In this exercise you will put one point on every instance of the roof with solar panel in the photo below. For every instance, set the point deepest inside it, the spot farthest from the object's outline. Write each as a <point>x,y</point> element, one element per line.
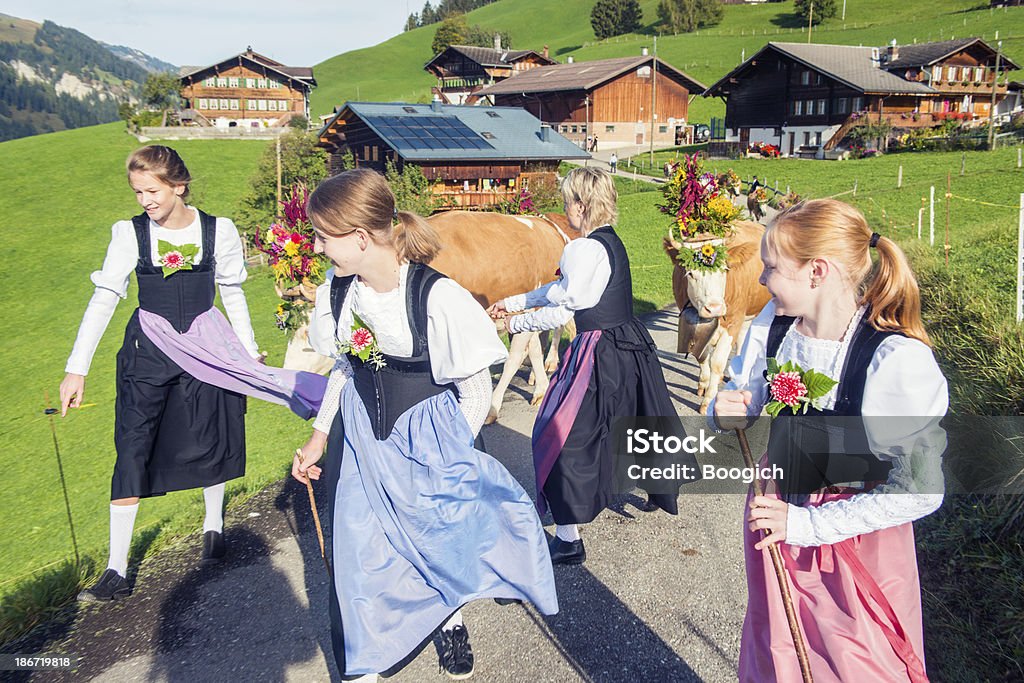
<point>420,132</point>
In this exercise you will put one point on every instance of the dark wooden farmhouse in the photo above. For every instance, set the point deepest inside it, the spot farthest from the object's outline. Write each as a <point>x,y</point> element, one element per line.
<point>477,156</point>
<point>806,97</point>
<point>609,98</point>
<point>463,70</point>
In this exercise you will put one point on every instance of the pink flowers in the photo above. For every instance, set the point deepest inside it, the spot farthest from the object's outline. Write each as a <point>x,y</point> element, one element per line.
<point>361,338</point>
<point>788,388</point>
<point>173,259</point>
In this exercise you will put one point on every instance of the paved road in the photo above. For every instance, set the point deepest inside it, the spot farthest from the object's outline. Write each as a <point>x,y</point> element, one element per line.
<point>660,598</point>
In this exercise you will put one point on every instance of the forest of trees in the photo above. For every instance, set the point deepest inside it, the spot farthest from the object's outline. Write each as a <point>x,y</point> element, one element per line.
<point>30,107</point>
<point>444,9</point>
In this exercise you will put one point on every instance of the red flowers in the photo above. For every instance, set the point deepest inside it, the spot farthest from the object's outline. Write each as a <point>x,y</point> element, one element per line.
<point>173,260</point>
<point>787,387</point>
<point>361,338</point>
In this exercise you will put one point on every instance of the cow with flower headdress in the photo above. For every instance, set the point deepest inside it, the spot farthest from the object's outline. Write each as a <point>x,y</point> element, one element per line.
<point>717,266</point>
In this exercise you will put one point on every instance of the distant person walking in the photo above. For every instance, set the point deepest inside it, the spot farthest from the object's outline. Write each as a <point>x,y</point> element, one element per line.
<point>593,144</point>
<point>613,163</point>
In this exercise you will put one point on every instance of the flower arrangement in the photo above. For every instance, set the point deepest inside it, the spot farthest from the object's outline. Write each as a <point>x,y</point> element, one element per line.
<point>760,195</point>
<point>709,256</point>
<point>297,269</point>
<point>764,149</point>
<point>362,344</point>
<point>174,258</point>
<point>787,200</point>
<point>730,182</point>
<point>521,204</point>
<point>790,386</point>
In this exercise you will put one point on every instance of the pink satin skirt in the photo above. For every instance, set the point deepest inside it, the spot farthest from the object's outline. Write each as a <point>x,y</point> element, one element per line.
<point>858,603</point>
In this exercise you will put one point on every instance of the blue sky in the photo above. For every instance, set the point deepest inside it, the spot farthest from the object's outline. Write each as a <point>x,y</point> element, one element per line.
<point>190,32</point>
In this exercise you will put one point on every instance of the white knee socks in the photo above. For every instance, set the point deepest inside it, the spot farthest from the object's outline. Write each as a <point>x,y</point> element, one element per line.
<point>567,532</point>
<point>122,522</point>
<point>214,497</point>
<point>456,620</point>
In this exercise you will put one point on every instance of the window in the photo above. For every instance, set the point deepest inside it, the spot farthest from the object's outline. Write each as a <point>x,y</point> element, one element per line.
<point>662,129</point>
<point>563,128</point>
<point>233,82</point>
<point>250,83</point>
<point>821,107</point>
<point>494,114</point>
<point>222,82</point>
<point>817,138</point>
<point>842,105</point>
<point>936,73</point>
<point>643,72</point>
<point>409,110</point>
<point>282,105</point>
<point>251,104</point>
<point>609,129</point>
<point>858,103</point>
<point>213,105</point>
<point>952,73</point>
<point>575,129</point>
<point>272,105</point>
<point>798,107</point>
<point>210,82</point>
<point>204,103</point>
<point>375,151</point>
<point>805,77</point>
<point>366,152</point>
<point>979,74</point>
<point>234,105</point>
<point>817,79</point>
<point>262,105</point>
<point>274,84</point>
<point>807,138</point>
<point>487,134</point>
<point>261,83</point>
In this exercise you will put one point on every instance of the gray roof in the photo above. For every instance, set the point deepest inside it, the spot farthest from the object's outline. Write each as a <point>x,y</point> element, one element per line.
<point>851,65</point>
<point>926,54</point>
<point>579,76</point>
<point>299,73</point>
<point>488,56</point>
<point>512,133</point>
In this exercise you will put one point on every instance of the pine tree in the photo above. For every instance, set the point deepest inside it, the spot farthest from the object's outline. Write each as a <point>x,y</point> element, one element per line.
<point>823,9</point>
<point>683,16</point>
<point>615,17</point>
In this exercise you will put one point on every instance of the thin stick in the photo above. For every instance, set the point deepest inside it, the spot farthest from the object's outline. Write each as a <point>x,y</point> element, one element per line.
<point>316,516</point>
<point>50,412</point>
<point>780,573</point>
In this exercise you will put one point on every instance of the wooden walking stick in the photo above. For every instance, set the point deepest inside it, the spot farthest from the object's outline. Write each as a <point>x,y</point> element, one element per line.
<point>316,516</point>
<point>780,572</point>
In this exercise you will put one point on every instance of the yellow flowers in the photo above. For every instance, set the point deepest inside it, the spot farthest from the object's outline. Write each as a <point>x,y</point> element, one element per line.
<point>720,207</point>
<point>707,250</point>
<point>291,248</point>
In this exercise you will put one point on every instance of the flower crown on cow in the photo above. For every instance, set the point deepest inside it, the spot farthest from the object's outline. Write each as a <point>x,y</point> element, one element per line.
<point>703,215</point>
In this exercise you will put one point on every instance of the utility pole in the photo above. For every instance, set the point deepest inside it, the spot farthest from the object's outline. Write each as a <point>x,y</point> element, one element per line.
<point>654,91</point>
<point>844,10</point>
<point>810,21</point>
<point>992,103</point>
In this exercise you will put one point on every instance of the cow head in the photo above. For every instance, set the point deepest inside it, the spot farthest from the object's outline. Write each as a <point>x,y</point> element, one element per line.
<point>706,292</point>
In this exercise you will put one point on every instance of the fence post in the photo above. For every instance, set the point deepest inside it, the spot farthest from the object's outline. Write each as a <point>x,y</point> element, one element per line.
<point>899,178</point>
<point>949,195</point>
<point>963,162</point>
<point>1020,261</point>
<point>1018,157</point>
<point>931,217</point>
<point>920,217</point>
<point>855,187</point>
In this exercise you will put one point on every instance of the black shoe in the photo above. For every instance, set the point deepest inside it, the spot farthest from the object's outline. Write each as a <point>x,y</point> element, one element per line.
<point>508,601</point>
<point>455,654</point>
<point>213,548</point>
<point>565,552</point>
<point>111,586</point>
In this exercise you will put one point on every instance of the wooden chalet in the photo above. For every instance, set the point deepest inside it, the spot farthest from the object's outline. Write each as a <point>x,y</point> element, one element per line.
<point>476,156</point>
<point>806,97</point>
<point>463,70</point>
<point>608,98</point>
<point>246,90</point>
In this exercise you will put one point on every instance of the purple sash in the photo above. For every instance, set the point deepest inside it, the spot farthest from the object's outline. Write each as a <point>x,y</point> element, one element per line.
<point>560,406</point>
<point>212,353</point>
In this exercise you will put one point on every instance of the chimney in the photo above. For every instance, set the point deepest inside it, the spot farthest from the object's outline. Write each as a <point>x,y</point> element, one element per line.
<point>435,105</point>
<point>892,52</point>
<point>643,51</point>
<point>545,132</point>
<point>569,59</point>
<point>545,52</point>
<point>497,42</point>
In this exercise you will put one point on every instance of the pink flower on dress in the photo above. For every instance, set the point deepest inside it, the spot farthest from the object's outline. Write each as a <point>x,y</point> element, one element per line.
<point>173,259</point>
<point>788,387</point>
<point>361,338</point>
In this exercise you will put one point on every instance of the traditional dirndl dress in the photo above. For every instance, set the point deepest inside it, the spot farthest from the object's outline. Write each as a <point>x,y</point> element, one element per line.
<point>421,522</point>
<point>610,370</point>
<point>858,601</point>
<point>182,377</point>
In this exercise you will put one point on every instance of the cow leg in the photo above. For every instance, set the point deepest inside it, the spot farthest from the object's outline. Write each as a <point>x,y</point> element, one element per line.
<point>535,352</point>
<point>551,359</point>
<point>703,382</point>
<point>516,356</point>
<point>718,359</point>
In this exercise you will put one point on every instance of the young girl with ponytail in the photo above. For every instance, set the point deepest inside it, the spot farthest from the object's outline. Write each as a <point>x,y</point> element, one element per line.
<point>848,547</point>
<point>422,522</point>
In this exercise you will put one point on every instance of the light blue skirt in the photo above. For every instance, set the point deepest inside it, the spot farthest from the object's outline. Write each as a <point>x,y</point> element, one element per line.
<point>424,523</point>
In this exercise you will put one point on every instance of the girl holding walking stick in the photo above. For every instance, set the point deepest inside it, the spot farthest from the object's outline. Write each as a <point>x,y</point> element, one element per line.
<point>847,548</point>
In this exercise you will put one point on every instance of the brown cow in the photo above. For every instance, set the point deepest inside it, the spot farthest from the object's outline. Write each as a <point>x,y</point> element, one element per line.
<point>494,256</point>
<point>736,299</point>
